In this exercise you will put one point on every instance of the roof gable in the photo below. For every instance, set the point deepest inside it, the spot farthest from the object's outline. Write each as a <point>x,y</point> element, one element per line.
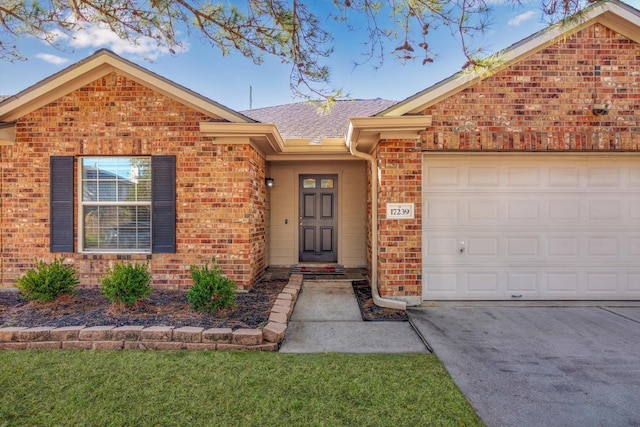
<point>613,14</point>
<point>98,65</point>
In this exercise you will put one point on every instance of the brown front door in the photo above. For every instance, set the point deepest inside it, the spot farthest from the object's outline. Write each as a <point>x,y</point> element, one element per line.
<point>318,218</point>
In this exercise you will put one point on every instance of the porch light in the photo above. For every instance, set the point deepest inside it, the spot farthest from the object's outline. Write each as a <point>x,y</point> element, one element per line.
<point>270,182</point>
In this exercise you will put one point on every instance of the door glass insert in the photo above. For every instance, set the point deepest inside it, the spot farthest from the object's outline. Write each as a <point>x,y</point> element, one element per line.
<point>326,183</point>
<point>309,183</point>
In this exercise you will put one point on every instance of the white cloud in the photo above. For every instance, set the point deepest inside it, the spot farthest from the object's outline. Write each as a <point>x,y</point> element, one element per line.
<point>52,59</point>
<point>97,36</point>
<point>519,19</point>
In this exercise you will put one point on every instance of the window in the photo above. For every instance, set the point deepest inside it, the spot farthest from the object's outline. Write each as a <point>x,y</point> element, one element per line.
<point>116,204</point>
<point>126,204</point>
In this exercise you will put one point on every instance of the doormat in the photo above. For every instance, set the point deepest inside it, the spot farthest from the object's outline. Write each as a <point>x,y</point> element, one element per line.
<point>307,269</point>
<point>371,312</point>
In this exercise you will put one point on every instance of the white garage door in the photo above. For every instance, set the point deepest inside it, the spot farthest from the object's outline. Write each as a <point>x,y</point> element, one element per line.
<point>507,227</point>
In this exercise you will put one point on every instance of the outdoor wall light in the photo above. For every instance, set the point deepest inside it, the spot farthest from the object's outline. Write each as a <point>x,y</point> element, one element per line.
<point>270,182</point>
<point>601,109</point>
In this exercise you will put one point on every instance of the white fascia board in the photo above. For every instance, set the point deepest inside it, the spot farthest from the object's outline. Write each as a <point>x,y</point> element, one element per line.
<point>265,135</point>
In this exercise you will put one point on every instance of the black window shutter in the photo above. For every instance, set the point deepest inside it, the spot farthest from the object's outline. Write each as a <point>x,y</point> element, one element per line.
<point>61,203</point>
<point>163,199</point>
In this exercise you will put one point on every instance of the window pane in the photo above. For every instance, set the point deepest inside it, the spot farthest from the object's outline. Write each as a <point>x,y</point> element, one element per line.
<point>116,179</point>
<point>126,191</point>
<point>309,183</point>
<point>91,227</point>
<point>326,183</point>
<point>106,191</point>
<point>117,227</point>
<point>90,191</point>
<point>143,190</point>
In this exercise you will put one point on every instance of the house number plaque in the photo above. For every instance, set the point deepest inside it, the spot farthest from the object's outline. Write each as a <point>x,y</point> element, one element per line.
<point>400,210</point>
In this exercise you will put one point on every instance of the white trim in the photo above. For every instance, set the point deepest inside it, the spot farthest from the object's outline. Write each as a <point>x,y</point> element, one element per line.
<point>82,204</point>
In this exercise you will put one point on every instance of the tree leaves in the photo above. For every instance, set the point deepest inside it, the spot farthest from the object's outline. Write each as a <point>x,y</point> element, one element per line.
<point>292,30</point>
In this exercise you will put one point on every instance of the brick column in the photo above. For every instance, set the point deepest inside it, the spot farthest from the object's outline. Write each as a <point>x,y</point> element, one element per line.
<point>400,241</point>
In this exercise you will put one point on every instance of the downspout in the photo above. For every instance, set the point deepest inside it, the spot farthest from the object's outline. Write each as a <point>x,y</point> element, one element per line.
<point>377,299</point>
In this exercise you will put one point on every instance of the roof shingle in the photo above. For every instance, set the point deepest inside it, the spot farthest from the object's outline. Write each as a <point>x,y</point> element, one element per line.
<point>307,120</point>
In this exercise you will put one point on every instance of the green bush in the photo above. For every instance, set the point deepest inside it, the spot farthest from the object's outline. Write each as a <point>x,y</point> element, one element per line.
<point>211,290</point>
<point>126,283</point>
<point>47,281</point>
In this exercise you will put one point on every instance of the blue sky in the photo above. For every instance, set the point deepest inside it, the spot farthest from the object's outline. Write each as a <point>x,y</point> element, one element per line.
<point>228,80</point>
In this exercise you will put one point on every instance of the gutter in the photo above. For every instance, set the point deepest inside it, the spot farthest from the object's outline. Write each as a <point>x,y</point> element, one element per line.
<point>375,171</point>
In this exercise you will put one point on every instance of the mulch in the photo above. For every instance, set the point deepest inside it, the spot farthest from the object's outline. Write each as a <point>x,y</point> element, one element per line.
<point>370,311</point>
<point>88,307</point>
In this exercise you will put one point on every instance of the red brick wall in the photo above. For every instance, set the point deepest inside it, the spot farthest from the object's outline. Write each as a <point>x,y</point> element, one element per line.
<point>399,241</point>
<point>219,196</point>
<point>545,101</point>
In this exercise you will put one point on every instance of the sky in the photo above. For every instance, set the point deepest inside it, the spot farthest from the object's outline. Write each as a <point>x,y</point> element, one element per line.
<point>239,84</point>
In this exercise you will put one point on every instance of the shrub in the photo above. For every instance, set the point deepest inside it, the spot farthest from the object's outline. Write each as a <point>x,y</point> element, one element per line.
<point>126,283</point>
<point>45,282</point>
<point>211,290</point>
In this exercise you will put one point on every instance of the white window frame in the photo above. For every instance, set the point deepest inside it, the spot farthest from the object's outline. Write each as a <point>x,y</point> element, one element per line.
<point>82,204</point>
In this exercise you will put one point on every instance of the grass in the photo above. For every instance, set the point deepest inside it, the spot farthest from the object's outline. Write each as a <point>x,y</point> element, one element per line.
<point>194,388</point>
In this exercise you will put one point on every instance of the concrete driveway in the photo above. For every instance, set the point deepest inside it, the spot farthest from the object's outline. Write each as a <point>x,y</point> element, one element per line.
<point>541,366</point>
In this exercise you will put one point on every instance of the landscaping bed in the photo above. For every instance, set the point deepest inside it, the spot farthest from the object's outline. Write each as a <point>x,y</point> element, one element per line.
<point>163,320</point>
<point>163,307</point>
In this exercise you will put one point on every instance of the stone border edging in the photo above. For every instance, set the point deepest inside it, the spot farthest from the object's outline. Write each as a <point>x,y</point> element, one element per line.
<point>108,337</point>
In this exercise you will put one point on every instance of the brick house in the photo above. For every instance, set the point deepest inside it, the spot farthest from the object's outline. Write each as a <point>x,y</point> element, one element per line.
<point>519,184</point>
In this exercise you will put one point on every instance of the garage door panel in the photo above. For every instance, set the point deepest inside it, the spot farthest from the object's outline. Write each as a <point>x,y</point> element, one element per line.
<point>634,177</point>
<point>446,210</point>
<point>603,177</point>
<point>563,209</point>
<point>531,227</point>
<point>634,209</point>
<point>482,246</point>
<point>522,282</point>
<point>446,176</point>
<point>443,285</point>
<point>483,210</point>
<point>482,282</point>
<point>602,283</point>
<point>441,245</point>
<point>602,247</point>
<point>560,283</point>
<point>523,176</point>
<point>564,176</point>
<point>633,284</point>
<point>482,176</point>
<point>523,246</point>
<point>604,210</point>
<point>518,210</point>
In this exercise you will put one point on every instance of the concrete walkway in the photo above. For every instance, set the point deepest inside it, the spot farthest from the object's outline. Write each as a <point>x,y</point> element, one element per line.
<point>327,318</point>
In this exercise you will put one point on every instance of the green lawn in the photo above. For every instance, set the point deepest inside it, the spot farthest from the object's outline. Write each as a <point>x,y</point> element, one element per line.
<point>193,388</point>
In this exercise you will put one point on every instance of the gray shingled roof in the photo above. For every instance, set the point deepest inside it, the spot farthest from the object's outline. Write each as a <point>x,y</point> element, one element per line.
<point>306,120</point>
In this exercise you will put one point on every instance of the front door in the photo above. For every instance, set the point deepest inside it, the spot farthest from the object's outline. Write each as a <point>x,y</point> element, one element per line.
<point>318,218</point>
